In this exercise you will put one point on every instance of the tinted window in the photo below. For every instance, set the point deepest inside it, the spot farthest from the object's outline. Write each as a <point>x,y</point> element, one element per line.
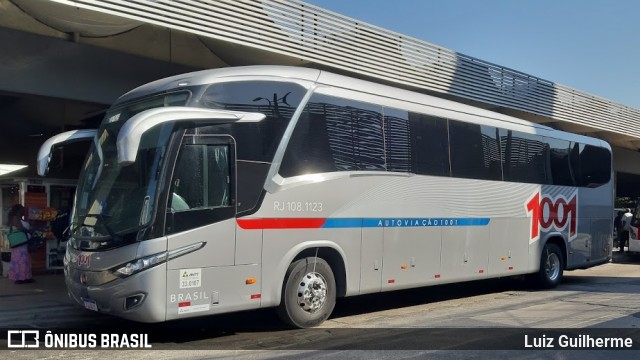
<point>416,143</point>
<point>202,188</point>
<point>526,158</point>
<point>201,178</point>
<point>335,134</point>
<point>277,100</point>
<point>591,165</point>
<point>397,140</point>
<point>124,112</point>
<point>429,139</point>
<point>475,151</point>
<point>559,162</point>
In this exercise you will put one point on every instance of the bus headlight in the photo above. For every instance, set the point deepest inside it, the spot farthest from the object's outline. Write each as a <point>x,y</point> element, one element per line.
<point>135,266</point>
<point>138,265</point>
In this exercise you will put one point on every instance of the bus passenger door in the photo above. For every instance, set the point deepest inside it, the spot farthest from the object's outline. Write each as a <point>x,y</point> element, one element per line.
<point>201,209</point>
<point>201,202</point>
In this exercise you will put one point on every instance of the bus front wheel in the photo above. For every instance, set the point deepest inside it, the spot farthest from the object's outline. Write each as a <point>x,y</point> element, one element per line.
<point>308,294</point>
<point>551,267</point>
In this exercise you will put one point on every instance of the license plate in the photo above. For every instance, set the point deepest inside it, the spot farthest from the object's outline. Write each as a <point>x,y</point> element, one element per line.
<point>90,304</point>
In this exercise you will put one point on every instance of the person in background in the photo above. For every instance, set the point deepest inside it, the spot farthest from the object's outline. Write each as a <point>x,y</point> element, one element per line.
<point>20,266</point>
<point>60,226</point>
<point>617,224</point>
<point>626,227</point>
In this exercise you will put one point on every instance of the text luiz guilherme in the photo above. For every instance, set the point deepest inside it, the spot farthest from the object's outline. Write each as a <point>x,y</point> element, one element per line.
<point>577,342</point>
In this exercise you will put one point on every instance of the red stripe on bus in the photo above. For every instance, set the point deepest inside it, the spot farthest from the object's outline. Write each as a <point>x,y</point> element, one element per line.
<point>281,223</point>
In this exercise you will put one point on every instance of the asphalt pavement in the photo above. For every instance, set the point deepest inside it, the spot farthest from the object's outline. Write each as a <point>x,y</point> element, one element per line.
<point>44,305</point>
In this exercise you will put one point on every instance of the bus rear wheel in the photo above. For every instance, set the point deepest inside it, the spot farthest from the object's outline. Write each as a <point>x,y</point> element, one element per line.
<point>308,294</point>
<point>551,267</point>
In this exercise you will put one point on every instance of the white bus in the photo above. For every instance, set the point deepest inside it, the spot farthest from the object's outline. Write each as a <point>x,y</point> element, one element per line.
<point>267,186</point>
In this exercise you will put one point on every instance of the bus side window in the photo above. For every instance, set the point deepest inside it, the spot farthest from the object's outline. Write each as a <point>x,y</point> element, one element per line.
<point>559,162</point>
<point>201,179</point>
<point>590,165</point>
<point>526,158</point>
<point>335,134</point>
<point>475,151</point>
<point>201,188</point>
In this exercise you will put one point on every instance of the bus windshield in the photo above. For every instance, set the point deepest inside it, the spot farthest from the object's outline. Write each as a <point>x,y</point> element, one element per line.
<point>114,202</point>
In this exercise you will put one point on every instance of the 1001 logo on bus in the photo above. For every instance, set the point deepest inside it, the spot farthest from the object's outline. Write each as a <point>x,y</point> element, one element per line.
<point>555,213</point>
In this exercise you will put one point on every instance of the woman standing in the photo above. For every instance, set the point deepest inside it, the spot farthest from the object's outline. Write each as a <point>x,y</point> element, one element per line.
<point>20,268</point>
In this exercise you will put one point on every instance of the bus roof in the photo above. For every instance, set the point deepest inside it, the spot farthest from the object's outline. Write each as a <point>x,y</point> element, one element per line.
<point>208,76</point>
<point>340,81</point>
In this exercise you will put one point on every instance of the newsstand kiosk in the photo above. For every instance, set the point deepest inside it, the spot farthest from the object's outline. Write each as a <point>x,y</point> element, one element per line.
<point>48,204</point>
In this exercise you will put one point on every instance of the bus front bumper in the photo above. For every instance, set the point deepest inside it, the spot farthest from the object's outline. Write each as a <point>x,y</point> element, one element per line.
<point>139,297</point>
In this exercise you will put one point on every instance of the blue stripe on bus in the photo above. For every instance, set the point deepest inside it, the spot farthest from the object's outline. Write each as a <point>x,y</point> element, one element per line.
<point>402,222</point>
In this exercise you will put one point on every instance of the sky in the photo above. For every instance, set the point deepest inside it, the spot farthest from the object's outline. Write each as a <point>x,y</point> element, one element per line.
<point>589,45</point>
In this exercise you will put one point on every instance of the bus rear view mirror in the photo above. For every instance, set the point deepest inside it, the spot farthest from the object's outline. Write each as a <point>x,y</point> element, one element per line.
<point>46,150</point>
<point>129,136</point>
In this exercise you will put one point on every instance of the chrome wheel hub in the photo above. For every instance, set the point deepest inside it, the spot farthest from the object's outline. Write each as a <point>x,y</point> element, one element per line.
<point>312,292</point>
<point>552,266</point>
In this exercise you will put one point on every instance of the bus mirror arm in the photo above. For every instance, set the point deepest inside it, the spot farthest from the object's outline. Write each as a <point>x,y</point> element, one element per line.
<point>46,149</point>
<point>132,131</point>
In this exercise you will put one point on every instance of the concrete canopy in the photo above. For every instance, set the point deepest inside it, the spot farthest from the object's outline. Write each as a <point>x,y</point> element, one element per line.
<point>91,51</point>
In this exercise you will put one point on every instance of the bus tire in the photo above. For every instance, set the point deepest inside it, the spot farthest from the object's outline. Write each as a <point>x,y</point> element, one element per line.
<point>551,267</point>
<point>308,293</point>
